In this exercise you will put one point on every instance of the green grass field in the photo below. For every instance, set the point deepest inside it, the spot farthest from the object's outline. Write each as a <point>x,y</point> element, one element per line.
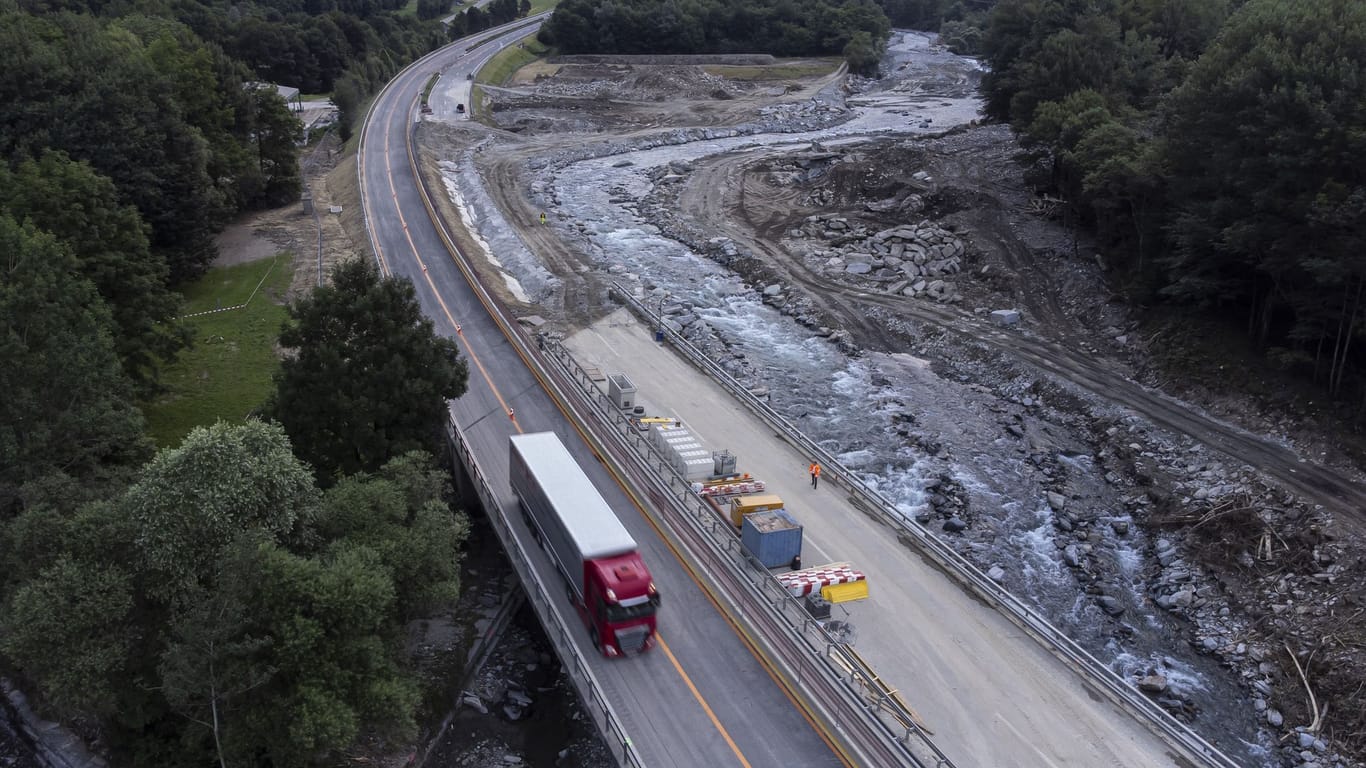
<point>512,58</point>
<point>228,372</point>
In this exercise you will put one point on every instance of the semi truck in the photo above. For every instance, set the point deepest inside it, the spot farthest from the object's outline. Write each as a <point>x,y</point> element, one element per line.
<point>607,580</point>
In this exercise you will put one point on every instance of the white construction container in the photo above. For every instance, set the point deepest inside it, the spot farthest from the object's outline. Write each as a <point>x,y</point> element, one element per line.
<point>671,447</point>
<point>696,469</point>
<point>663,432</point>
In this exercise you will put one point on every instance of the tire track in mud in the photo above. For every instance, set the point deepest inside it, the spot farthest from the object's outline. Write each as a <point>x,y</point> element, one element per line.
<point>743,216</point>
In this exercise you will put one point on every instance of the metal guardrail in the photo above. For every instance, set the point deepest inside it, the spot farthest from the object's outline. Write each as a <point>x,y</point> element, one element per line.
<point>1100,676</point>
<point>870,719</point>
<point>575,665</point>
<point>515,26</point>
<point>596,702</point>
<point>773,600</point>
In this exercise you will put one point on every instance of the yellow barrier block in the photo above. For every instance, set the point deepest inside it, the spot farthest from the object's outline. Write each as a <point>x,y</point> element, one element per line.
<point>843,593</point>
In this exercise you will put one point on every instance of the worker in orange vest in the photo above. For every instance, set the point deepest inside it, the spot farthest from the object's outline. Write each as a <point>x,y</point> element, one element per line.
<point>815,471</point>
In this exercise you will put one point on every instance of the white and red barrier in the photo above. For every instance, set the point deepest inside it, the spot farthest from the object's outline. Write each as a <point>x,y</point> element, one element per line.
<point>808,580</point>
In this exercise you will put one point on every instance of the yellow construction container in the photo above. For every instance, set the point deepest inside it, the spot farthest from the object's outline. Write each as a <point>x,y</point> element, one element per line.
<point>843,593</point>
<point>744,505</point>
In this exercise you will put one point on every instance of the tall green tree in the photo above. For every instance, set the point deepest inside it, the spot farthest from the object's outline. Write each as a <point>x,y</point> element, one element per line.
<point>276,132</point>
<point>68,426</point>
<point>331,624</point>
<point>369,378</point>
<point>1044,50</point>
<point>69,83</point>
<point>215,657</point>
<point>81,208</point>
<point>69,630</point>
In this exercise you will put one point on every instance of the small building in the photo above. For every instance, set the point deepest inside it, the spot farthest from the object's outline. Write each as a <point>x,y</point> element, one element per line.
<point>289,93</point>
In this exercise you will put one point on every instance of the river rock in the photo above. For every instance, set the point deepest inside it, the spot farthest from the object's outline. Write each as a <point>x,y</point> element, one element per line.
<point>996,574</point>
<point>1057,501</point>
<point>954,525</point>
<point>518,698</point>
<point>1153,684</point>
<point>1072,556</point>
<point>1110,605</point>
<point>1005,317</point>
<point>1274,718</point>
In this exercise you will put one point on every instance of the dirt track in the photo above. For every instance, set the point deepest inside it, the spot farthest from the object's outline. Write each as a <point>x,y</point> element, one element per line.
<point>720,197</point>
<point>1074,335</point>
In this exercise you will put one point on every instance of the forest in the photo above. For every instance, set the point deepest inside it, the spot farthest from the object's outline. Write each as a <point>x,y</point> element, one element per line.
<point>239,598</point>
<point>855,29</point>
<point>1217,150</point>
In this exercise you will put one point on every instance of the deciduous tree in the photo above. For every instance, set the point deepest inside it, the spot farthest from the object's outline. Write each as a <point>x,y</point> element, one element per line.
<point>69,631</point>
<point>192,501</point>
<point>1267,128</point>
<point>402,515</point>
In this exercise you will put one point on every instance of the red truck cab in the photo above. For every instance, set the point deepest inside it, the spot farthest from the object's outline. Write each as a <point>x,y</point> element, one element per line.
<point>620,601</point>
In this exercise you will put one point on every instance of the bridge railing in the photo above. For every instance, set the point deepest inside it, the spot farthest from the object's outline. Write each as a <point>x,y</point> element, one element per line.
<point>871,720</point>
<point>916,536</point>
<point>574,663</point>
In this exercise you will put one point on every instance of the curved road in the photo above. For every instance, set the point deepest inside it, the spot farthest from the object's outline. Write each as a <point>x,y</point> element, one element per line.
<point>700,699</point>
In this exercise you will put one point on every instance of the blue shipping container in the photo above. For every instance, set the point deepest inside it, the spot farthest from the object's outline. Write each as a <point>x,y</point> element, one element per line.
<point>773,537</point>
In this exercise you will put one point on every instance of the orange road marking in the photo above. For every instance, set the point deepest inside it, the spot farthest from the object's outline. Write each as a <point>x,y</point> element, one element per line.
<point>469,350</point>
<point>663,646</point>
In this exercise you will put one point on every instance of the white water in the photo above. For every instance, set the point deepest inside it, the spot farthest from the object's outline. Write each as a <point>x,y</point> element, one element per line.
<point>848,405</point>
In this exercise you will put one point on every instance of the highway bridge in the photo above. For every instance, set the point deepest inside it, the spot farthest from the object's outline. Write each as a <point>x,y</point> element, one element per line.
<point>741,676</point>
<point>707,695</point>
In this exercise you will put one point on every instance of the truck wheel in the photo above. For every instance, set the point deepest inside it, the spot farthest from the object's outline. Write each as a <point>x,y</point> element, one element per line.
<point>597,641</point>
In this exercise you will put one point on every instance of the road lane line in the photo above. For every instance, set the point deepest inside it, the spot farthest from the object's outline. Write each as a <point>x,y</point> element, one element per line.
<point>460,337</point>
<point>663,646</point>
<point>747,640</point>
<point>997,716</point>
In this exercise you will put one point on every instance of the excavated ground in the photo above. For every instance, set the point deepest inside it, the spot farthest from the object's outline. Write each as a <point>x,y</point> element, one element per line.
<point>1265,578</point>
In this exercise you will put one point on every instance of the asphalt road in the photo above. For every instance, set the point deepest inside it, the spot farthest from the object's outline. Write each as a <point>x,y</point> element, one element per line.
<point>991,694</point>
<point>702,697</point>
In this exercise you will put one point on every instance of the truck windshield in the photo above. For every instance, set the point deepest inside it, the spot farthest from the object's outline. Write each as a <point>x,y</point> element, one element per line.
<point>617,613</point>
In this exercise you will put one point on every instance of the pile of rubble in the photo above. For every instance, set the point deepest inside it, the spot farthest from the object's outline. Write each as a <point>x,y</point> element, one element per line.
<point>909,260</point>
